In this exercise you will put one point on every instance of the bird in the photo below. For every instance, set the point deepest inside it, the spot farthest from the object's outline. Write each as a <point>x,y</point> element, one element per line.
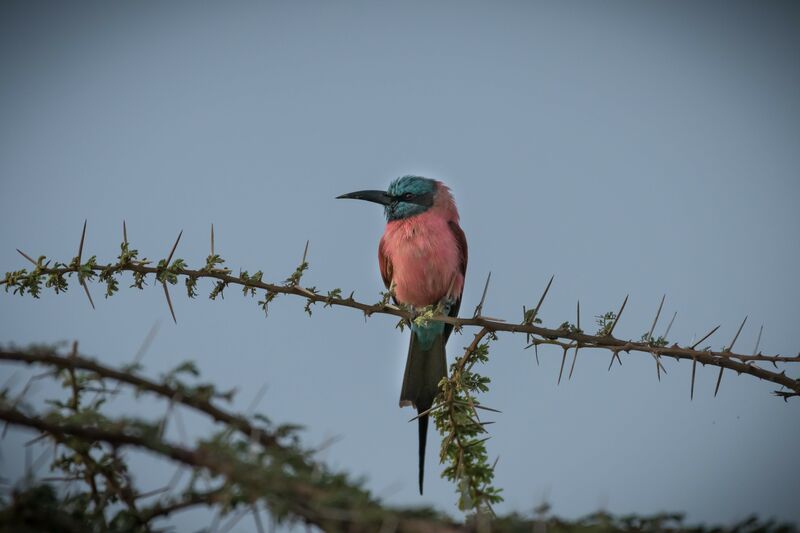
<point>422,257</point>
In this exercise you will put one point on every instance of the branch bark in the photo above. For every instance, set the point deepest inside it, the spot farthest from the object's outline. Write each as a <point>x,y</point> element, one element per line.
<point>563,338</point>
<point>314,504</point>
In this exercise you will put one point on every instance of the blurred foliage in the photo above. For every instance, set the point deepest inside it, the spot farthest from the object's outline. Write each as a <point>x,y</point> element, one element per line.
<point>39,507</point>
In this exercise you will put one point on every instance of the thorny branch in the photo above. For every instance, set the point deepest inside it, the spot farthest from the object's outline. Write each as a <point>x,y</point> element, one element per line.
<point>298,494</point>
<point>199,399</point>
<point>264,463</point>
<point>456,409</point>
<point>565,336</point>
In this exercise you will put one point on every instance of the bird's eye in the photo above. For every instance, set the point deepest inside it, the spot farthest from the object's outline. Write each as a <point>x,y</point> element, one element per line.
<point>408,196</point>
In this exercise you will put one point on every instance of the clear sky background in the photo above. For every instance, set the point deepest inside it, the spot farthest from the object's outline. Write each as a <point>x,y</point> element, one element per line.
<point>642,148</point>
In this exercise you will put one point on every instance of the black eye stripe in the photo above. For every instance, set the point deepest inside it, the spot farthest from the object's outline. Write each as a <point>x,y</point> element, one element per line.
<point>425,199</point>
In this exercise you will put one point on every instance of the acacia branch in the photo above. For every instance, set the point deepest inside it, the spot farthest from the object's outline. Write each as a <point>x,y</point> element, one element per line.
<point>315,505</point>
<point>284,477</point>
<point>75,362</point>
<point>565,337</point>
<point>120,437</point>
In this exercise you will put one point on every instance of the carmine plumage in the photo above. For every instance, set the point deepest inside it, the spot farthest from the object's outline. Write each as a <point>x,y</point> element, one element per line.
<point>423,257</point>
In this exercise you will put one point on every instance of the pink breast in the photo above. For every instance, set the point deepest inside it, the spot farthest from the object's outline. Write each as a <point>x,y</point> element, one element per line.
<point>425,259</point>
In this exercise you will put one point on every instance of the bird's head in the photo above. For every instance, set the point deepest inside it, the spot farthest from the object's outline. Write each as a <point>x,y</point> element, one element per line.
<point>406,197</point>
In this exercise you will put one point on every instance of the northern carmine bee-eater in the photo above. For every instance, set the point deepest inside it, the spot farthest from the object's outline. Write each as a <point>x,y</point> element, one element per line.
<point>423,259</point>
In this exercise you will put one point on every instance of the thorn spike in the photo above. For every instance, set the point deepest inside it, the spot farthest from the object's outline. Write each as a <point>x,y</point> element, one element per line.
<point>479,307</point>
<point>730,346</point>
<point>575,356</point>
<point>257,399</point>
<point>86,289</point>
<point>560,372</point>
<point>305,253</point>
<point>719,380</point>
<point>572,367</point>
<point>541,299</point>
<point>658,367</point>
<point>655,320</point>
<point>694,370</point>
<point>169,302</point>
<point>148,340</point>
<point>707,335</point>
<point>174,246</point>
<point>669,327</point>
<point>621,309</point>
<point>124,232</point>
<point>83,237</point>
<point>26,256</point>
<point>758,340</point>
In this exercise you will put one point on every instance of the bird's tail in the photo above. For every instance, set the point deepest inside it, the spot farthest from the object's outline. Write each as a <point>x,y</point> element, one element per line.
<point>425,367</point>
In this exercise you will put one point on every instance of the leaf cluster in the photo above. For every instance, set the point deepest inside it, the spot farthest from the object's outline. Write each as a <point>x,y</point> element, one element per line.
<point>250,461</point>
<point>463,448</point>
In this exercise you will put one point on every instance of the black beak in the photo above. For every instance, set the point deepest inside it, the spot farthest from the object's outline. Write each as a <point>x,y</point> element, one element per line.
<point>379,197</point>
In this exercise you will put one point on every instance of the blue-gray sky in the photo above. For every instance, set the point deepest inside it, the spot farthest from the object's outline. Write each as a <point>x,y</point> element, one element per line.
<point>641,148</point>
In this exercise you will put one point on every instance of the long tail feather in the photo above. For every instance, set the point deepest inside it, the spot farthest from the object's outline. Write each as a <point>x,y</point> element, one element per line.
<point>423,437</point>
<point>425,367</point>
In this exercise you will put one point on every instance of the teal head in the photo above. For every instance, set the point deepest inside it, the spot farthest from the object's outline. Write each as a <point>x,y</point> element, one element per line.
<point>405,197</point>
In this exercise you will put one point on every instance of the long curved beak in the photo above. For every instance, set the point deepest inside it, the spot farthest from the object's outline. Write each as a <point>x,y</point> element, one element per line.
<point>379,197</point>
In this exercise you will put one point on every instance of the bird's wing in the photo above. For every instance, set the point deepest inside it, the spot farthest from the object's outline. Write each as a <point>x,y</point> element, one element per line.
<point>385,264</point>
<point>458,233</point>
<point>461,240</point>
